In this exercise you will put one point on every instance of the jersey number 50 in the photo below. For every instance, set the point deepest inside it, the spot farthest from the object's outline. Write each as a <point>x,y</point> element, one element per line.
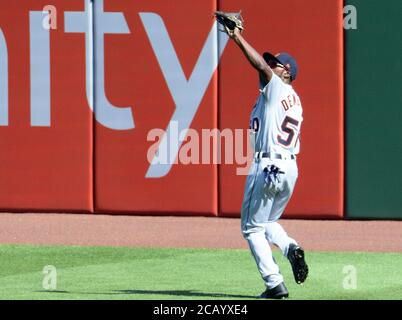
<point>285,128</point>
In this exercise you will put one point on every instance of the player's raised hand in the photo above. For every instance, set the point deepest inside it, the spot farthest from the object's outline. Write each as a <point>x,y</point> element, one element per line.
<point>230,22</point>
<point>234,33</point>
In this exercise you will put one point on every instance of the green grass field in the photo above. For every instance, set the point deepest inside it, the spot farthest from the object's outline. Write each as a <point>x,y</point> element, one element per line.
<point>143,273</point>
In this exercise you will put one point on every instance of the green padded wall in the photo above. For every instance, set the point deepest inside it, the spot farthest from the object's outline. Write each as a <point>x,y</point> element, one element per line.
<point>373,108</point>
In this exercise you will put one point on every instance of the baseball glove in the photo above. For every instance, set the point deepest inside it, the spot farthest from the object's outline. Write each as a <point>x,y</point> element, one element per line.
<point>229,21</point>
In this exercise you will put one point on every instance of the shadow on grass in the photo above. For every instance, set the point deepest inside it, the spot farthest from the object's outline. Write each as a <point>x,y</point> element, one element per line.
<point>183,293</point>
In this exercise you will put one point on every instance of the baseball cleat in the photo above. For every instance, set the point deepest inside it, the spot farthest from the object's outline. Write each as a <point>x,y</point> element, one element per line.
<point>279,292</point>
<point>299,265</point>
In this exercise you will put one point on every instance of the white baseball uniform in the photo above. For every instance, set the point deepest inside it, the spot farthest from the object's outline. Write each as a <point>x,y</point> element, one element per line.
<point>275,122</point>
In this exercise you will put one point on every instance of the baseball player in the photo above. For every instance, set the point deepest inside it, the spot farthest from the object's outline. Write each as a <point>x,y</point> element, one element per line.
<point>275,125</point>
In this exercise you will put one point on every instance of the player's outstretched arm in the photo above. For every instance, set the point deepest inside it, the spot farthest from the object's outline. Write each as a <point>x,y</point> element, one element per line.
<point>255,59</point>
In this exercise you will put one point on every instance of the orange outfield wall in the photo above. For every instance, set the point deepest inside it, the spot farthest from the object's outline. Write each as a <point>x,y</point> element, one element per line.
<point>312,32</point>
<point>45,167</point>
<point>80,163</point>
<point>135,78</point>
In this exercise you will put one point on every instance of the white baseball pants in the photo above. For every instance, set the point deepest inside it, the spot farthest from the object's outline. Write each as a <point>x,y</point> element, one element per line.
<point>262,207</point>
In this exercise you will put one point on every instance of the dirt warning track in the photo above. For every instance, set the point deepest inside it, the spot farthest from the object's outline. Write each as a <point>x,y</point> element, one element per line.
<point>190,232</point>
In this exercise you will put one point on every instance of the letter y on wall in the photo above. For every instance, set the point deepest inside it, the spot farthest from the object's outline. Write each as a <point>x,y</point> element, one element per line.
<point>3,81</point>
<point>187,94</point>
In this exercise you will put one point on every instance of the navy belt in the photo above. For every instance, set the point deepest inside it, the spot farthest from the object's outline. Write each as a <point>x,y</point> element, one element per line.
<point>272,155</point>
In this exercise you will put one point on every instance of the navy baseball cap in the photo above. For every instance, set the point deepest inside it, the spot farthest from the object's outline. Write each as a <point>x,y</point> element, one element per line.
<point>285,59</point>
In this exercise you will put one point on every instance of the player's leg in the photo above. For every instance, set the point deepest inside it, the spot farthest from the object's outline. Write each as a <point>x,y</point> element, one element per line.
<point>247,194</point>
<point>288,182</point>
<point>262,254</point>
<point>273,230</point>
<point>255,212</point>
<point>277,235</point>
